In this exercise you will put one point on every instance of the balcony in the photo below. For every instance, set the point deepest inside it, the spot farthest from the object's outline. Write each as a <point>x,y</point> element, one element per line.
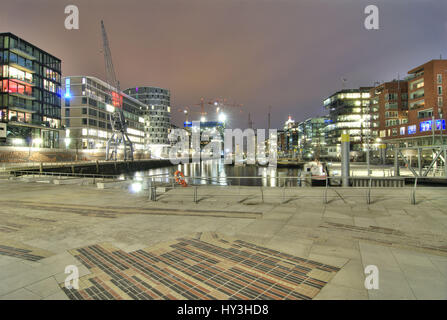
<point>390,106</point>
<point>25,54</point>
<point>23,95</point>
<point>27,68</point>
<point>417,96</point>
<point>24,81</point>
<point>417,105</point>
<point>417,85</point>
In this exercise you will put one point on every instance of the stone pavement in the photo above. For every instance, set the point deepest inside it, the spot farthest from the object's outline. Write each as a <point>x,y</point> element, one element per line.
<point>231,244</point>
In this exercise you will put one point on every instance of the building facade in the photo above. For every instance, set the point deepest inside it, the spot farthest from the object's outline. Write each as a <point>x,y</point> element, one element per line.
<point>312,138</point>
<point>426,110</point>
<point>86,110</point>
<point>349,112</point>
<point>30,95</point>
<point>389,107</point>
<point>306,139</point>
<point>158,113</point>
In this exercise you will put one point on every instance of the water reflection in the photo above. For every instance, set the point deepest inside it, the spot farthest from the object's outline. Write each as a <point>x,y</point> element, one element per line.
<point>217,173</point>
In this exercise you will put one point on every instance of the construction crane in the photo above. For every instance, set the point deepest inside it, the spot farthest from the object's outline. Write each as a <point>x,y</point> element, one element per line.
<point>202,107</point>
<point>220,105</point>
<point>117,119</point>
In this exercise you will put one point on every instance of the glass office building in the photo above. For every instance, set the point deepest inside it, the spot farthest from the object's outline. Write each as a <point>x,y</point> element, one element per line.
<point>87,107</point>
<point>30,94</point>
<point>349,112</point>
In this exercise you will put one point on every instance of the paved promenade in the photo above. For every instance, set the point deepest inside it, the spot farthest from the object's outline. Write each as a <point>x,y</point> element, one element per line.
<point>235,243</point>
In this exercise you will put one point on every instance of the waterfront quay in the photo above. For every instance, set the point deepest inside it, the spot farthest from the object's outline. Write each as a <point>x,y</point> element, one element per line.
<point>233,242</point>
<point>98,167</point>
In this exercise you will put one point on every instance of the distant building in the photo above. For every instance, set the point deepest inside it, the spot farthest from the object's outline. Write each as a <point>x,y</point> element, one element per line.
<point>157,116</point>
<point>86,110</point>
<point>30,95</point>
<point>349,112</point>
<point>312,137</point>
<point>215,128</point>
<point>291,143</point>
<point>306,139</point>
<point>282,143</point>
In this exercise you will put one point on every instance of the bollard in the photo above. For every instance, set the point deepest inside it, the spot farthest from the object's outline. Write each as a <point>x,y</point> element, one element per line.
<point>396,162</point>
<point>413,192</point>
<point>262,195</point>
<point>195,195</point>
<point>284,193</point>
<point>345,149</point>
<point>152,191</point>
<point>382,148</point>
<point>368,193</point>
<point>325,192</point>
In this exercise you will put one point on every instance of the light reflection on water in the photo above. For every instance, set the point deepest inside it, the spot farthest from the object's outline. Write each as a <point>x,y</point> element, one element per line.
<point>215,172</point>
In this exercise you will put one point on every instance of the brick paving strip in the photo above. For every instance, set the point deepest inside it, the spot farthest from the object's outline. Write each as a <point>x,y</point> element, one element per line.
<point>206,266</point>
<point>22,251</point>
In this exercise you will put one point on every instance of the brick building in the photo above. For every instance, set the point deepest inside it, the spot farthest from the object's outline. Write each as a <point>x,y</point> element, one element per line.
<point>421,120</point>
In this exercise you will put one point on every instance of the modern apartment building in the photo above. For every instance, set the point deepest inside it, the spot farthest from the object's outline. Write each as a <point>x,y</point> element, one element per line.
<point>421,120</point>
<point>86,110</point>
<point>349,112</point>
<point>389,107</point>
<point>30,94</point>
<point>157,114</point>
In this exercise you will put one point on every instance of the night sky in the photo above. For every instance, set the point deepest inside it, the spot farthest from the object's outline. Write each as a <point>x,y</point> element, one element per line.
<point>290,54</point>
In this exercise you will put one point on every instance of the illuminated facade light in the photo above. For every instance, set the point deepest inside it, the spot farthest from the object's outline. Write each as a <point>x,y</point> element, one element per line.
<point>222,117</point>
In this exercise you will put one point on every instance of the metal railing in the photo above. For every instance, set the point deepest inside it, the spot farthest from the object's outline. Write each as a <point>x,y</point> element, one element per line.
<point>326,185</point>
<point>18,173</point>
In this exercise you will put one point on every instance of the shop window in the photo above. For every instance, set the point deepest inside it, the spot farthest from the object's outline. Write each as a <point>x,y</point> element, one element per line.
<point>412,129</point>
<point>425,126</point>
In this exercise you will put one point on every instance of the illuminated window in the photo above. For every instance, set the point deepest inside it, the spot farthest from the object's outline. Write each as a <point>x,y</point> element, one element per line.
<point>425,126</point>
<point>440,124</point>
<point>412,129</point>
<point>402,131</point>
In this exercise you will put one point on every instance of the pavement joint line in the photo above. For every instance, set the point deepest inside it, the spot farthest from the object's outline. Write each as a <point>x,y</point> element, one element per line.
<point>403,273</point>
<point>141,210</point>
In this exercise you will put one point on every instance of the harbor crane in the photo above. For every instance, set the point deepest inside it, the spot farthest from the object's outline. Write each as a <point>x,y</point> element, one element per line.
<point>220,105</point>
<point>117,120</point>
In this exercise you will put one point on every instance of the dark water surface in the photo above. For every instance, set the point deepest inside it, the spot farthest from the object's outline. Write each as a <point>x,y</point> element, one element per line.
<point>216,172</point>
